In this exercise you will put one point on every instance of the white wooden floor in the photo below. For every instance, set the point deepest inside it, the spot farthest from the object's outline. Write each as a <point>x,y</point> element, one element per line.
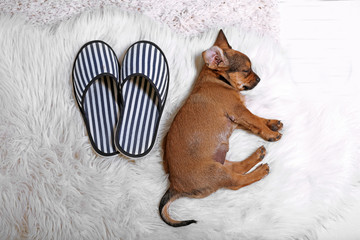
<point>322,40</point>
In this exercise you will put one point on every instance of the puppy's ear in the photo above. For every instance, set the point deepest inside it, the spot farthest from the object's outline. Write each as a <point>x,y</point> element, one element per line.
<point>214,58</point>
<point>221,41</point>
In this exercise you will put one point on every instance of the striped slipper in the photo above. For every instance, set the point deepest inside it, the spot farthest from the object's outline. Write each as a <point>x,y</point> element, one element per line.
<point>95,81</point>
<point>144,87</point>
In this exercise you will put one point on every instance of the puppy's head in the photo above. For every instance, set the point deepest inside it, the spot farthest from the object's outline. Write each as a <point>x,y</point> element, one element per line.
<point>232,65</point>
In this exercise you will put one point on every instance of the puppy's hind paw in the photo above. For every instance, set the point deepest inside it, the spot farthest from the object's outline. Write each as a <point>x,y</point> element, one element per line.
<point>263,170</point>
<point>261,152</point>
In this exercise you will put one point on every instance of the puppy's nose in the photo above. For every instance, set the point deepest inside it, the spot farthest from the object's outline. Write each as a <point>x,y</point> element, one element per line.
<point>257,79</point>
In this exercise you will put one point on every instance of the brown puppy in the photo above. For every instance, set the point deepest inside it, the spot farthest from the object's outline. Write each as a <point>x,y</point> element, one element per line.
<point>198,139</point>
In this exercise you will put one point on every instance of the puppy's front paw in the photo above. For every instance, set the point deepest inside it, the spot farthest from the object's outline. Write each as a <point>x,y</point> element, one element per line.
<point>274,124</point>
<point>275,137</point>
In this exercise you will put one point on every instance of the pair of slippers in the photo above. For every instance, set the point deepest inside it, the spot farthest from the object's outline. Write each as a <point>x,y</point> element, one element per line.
<point>121,105</point>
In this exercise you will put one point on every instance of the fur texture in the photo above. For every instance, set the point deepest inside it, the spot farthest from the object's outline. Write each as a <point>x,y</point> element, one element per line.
<point>186,16</point>
<point>52,185</point>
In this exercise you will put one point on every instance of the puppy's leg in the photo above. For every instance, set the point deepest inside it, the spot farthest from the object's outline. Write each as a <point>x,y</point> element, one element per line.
<point>273,124</point>
<point>245,165</point>
<point>242,180</point>
<point>246,120</point>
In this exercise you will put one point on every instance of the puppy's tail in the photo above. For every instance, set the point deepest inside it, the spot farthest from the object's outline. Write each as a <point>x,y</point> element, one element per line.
<point>165,202</point>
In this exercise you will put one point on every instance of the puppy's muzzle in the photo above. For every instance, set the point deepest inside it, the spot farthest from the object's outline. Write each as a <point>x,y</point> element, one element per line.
<point>253,84</point>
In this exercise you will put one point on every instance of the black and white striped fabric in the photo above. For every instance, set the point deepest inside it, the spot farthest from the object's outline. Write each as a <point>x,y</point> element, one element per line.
<point>144,87</point>
<point>95,80</point>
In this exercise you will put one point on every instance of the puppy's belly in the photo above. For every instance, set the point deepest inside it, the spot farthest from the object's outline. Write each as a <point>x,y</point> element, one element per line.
<point>210,144</point>
<point>220,153</point>
<point>199,133</point>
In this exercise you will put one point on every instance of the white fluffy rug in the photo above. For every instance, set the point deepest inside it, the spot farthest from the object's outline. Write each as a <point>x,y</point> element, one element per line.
<point>183,16</point>
<point>53,186</point>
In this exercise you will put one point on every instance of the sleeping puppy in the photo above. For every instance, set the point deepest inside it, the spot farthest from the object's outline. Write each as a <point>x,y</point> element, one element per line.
<point>198,139</point>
